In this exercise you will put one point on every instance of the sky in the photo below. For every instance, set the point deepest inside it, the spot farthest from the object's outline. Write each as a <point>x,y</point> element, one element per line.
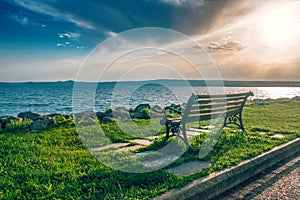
<point>54,40</point>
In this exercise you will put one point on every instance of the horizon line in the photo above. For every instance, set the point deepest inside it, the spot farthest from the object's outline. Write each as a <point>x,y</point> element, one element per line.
<point>115,81</point>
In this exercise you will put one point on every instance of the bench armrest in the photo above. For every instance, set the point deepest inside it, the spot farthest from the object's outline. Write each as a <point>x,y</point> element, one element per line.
<point>163,121</point>
<point>250,94</point>
<point>173,109</point>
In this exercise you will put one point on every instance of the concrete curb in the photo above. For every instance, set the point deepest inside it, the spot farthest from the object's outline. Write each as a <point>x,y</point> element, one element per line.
<point>219,182</point>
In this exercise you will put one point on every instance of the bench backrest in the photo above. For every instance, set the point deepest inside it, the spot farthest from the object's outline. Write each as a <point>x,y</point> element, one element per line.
<point>206,107</point>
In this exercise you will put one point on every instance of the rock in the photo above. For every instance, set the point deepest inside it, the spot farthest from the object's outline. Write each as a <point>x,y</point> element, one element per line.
<point>297,98</point>
<point>260,102</point>
<point>29,115</point>
<point>142,111</point>
<point>68,116</point>
<point>46,117</point>
<point>156,112</point>
<point>176,106</point>
<point>157,109</point>
<point>42,124</point>
<point>121,109</point>
<point>86,116</point>
<point>106,120</point>
<point>4,120</point>
<point>121,113</point>
<point>108,113</point>
<point>100,115</point>
<point>51,116</point>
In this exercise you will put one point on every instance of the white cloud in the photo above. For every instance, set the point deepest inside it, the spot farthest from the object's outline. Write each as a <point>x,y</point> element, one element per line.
<point>184,2</point>
<point>44,9</point>
<point>80,48</point>
<point>111,33</point>
<point>69,35</point>
<point>25,21</point>
<point>60,45</point>
<point>75,35</point>
<point>226,43</point>
<point>62,35</point>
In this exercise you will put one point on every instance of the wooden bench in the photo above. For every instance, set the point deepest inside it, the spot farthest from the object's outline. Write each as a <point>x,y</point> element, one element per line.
<point>206,107</point>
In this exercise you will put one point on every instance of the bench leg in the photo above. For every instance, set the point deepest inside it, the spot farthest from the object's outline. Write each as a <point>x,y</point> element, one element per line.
<point>167,130</point>
<point>185,139</point>
<point>236,119</point>
<point>241,122</point>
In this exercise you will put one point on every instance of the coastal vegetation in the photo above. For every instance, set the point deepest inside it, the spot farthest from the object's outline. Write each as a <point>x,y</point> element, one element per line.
<point>53,162</point>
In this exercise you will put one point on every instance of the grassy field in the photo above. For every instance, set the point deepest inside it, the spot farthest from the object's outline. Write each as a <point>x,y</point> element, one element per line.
<point>54,164</point>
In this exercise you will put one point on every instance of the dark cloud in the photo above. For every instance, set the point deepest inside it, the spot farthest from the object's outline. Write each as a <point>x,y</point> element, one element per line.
<point>189,17</point>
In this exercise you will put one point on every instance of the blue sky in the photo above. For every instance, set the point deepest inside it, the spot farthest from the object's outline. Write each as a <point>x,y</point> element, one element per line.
<point>48,40</point>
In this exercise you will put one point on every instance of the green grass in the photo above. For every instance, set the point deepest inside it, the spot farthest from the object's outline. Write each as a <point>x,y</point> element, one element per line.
<point>54,164</point>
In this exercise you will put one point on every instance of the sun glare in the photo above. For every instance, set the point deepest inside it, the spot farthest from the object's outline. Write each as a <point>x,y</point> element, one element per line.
<point>280,26</point>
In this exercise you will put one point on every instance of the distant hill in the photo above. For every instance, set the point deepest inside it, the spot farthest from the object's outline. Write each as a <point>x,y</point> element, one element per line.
<point>250,83</point>
<point>215,83</point>
<point>200,83</point>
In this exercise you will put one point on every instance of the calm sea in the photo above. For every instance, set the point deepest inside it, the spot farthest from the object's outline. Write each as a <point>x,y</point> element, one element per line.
<point>48,98</point>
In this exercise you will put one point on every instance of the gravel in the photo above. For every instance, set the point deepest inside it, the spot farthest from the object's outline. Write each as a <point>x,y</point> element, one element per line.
<point>278,182</point>
<point>287,187</point>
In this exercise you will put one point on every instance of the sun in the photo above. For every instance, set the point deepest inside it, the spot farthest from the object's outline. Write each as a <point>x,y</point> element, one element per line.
<point>280,25</point>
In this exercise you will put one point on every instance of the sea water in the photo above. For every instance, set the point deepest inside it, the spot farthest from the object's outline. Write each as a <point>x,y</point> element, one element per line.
<point>57,97</point>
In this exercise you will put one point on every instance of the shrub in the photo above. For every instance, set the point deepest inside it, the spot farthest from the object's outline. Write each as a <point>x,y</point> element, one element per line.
<point>60,120</point>
<point>17,126</point>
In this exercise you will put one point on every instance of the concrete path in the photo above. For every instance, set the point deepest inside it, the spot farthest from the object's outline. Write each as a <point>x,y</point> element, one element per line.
<point>151,159</point>
<point>125,146</point>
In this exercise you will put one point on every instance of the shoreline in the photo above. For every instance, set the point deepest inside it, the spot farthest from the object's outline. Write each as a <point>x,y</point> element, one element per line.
<point>258,101</point>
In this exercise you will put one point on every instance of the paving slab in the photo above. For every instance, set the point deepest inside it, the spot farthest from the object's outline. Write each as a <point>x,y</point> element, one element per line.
<point>277,136</point>
<point>110,146</point>
<point>130,148</point>
<point>152,137</point>
<point>202,129</point>
<point>159,161</point>
<point>209,127</point>
<point>262,133</point>
<point>141,142</point>
<point>190,168</point>
<point>195,133</point>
